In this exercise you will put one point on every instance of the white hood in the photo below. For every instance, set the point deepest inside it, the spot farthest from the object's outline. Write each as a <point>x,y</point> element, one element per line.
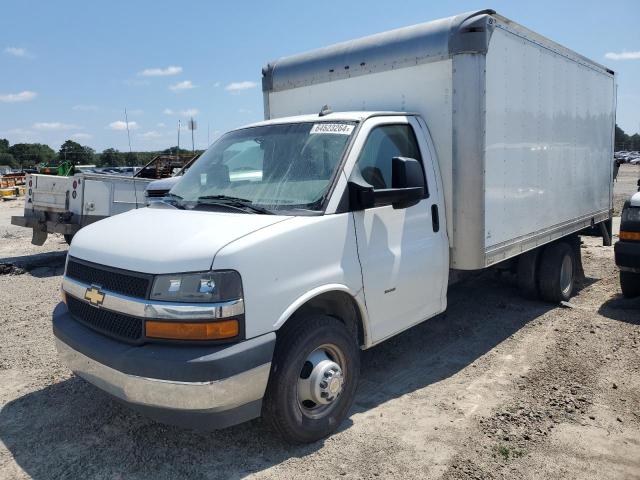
<point>159,240</point>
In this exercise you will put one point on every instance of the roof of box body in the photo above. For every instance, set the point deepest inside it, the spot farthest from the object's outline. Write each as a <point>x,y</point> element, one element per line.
<point>403,47</point>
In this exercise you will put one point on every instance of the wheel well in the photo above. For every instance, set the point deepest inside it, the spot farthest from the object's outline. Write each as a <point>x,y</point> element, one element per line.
<point>336,304</point>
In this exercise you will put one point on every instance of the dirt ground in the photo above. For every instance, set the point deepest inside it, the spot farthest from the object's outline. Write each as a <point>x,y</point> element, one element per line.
<point>498,387</point>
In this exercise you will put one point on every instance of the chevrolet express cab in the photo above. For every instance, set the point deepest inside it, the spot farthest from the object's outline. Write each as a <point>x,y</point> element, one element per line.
<point>627,248</point>
<point>385,167</point>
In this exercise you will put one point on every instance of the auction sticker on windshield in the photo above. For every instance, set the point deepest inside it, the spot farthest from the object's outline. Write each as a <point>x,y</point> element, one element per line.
<point>334,128</point>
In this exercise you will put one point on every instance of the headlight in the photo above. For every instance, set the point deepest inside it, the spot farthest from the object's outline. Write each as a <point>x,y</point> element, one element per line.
<point>630,214</point>
<point>206,287</point>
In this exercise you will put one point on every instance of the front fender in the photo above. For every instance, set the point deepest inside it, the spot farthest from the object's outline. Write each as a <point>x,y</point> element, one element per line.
<point>333,287</point>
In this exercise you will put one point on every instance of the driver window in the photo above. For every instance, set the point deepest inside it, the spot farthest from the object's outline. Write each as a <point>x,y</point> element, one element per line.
<point>384,143</point>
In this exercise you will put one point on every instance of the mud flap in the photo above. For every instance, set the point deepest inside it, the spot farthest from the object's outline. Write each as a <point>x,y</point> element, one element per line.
<point>39,236</point>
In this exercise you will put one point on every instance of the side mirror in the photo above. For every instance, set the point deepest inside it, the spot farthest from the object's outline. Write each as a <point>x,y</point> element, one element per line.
<point>406,173</point>
<point>408,187</point>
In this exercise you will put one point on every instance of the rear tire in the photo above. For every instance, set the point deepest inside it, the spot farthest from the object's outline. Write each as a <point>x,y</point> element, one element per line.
<point>630,284</point>
<point>557,272</point>
<point>293,373</point>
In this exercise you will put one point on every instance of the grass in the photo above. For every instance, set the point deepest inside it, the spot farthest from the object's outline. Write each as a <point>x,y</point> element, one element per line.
<point>506,452</point>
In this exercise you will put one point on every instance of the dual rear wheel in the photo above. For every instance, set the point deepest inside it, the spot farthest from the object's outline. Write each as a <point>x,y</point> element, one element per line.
<point>549,273</point>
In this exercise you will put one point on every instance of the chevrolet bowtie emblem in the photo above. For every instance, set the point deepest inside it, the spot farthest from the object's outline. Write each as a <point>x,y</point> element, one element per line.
<point>94,295</point>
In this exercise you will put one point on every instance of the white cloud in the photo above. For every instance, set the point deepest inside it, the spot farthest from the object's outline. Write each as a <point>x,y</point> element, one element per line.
<point>85,108</point>
<point>160,125</point>
<point>120,125</point>
<point>238,86</point>
<point>135,111</point>
<point>151,134</point>
<point>189,112</point>
<point>161,72</point>
<point>81,136</point>
<point>623,55</point>
<point>18,97</point>
<point>17,52</point>
<point>54,126</point>
<point>185,85</point>
<point>217,84</point>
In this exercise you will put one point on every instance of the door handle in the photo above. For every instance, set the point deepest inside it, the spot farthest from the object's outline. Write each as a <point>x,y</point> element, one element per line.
<point>435,218</point>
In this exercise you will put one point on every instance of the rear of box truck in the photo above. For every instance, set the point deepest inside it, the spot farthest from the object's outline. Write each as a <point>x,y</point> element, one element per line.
<point>548,153</point>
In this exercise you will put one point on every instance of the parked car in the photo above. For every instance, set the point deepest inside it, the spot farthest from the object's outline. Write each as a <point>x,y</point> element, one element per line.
<point>627,248</point>
<point>292,244</point>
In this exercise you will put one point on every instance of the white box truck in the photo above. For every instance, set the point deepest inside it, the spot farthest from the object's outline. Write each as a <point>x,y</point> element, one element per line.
<point>450,146</point>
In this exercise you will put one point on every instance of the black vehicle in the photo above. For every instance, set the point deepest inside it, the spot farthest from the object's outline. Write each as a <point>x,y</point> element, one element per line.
<point>627,249</point>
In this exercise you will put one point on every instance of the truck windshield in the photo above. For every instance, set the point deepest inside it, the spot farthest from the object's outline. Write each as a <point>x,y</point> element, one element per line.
<point>276,167</point>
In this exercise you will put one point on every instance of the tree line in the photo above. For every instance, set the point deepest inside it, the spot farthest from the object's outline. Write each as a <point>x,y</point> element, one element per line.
<point>29,155</point>
<point>626,142</point>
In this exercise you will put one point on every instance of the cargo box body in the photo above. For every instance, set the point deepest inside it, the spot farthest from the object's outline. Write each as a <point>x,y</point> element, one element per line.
<point>523,127</point>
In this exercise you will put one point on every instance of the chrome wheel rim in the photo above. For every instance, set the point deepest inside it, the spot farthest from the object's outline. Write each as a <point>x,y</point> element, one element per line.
<point>321,381</point>
<point>566,275</point>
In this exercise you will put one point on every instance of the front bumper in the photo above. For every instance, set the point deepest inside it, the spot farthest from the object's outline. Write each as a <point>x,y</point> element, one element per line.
<point>627,255</point>
<point>189,386</point>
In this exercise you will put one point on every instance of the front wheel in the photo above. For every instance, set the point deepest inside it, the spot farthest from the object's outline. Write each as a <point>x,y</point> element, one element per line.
<point>313,381</point>
<point>630,284</point>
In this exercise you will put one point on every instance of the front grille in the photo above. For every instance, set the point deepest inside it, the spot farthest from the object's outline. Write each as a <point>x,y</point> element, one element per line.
<point>122,327</point>
<point>157,193</point>
<point>131,284</point>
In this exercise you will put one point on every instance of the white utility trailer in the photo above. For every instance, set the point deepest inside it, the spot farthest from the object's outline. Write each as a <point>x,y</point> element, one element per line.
<point>56,204</point>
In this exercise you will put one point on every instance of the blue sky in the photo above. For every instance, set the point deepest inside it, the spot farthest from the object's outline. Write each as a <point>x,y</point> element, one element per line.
<point>69,68</point>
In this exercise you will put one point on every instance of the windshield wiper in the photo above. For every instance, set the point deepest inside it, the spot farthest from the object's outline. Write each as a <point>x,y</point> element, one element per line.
<point>173,195</point>
<point>173,199</point>
<point>240,203</point>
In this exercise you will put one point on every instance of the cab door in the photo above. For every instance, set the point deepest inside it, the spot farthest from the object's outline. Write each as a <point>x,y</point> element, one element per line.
<point>403,252</point>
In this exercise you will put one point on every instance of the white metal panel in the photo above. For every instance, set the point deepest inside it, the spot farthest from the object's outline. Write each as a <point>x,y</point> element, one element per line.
<point>548,157</point>
<point>424,89</point>
<point>97,198</point>
<point>50,192</point>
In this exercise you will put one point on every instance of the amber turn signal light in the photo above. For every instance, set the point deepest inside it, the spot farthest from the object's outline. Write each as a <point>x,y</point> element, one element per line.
<point>192,330</point>
<point>629,235</point>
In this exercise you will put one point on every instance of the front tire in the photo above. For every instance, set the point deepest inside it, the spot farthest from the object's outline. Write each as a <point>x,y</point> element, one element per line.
<point>313,380</point>
<point>630,284</point>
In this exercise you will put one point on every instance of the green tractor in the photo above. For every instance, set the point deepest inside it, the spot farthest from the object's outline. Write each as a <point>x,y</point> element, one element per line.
<point>63,169</point>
